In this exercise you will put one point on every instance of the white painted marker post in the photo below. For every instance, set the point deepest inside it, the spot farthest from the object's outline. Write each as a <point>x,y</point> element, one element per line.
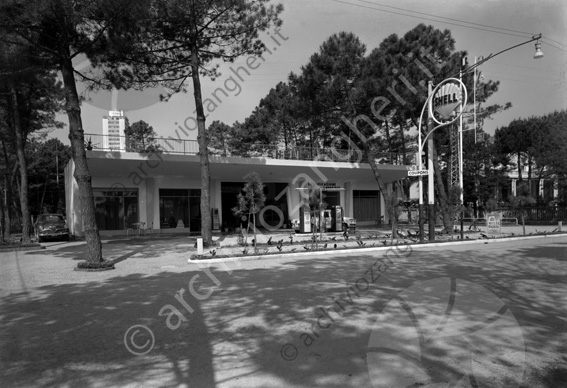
<point>199,245</point>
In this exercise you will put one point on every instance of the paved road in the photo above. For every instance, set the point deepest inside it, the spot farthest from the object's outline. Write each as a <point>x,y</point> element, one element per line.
<point>481,315</point>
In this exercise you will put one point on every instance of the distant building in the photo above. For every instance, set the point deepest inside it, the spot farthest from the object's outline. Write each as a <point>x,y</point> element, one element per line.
<point>113,127</point>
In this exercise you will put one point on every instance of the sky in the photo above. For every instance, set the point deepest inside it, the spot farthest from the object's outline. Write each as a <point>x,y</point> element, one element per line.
<point>481,27</point>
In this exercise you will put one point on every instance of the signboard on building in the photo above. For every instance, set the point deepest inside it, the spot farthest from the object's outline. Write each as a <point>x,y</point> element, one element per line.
<point>494,223</point>
<point>329,186</point>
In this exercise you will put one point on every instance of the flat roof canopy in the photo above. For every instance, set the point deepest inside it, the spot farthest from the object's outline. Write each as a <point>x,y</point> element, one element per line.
<point>122,164</point>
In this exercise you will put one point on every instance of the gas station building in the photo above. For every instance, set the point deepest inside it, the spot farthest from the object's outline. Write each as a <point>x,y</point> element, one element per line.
<point>163,190</point>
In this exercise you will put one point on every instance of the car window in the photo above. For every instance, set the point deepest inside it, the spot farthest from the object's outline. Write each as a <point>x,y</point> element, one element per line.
<point>50,218</point>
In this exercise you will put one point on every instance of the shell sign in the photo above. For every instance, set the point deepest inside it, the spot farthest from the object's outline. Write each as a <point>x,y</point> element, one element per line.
<point>447,98</point>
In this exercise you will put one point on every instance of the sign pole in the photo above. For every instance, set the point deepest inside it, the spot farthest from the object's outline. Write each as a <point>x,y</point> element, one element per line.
<point>421,220</point>
<point>321,213</point>
<point>461,185</point>
<point>430,167</point>
<point>420,162</point>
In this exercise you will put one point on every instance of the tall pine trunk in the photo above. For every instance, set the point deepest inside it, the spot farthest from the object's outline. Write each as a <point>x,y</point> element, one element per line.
<point>387,192</point>
<point>443,198</point>
<point>405,183</point>
<point>389,141</point>
<point>3,211</point>
<point>530,179</point>
<point>206,220</point>
<point>82,174</point>
<point>519,166</point>
<point>7,197</point>
<point>20,141</point>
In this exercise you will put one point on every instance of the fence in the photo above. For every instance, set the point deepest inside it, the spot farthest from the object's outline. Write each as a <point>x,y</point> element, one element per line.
<point>247,150</point>
<point>538,214</point>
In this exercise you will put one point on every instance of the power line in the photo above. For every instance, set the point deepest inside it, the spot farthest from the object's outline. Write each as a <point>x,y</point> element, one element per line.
<point>558,48</point>
<point>446,18</point>
<point>554,41</point>
<point>523,67</point>
<point>459,24</point>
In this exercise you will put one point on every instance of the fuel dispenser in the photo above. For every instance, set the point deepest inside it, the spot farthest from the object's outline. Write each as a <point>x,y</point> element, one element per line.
<point>304,220</point>
<point>336,219</point>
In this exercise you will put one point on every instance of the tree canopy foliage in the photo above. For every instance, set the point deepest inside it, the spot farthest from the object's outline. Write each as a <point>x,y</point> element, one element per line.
<point>536,148</point>
<point>30,96</point>
<point>141,137</point>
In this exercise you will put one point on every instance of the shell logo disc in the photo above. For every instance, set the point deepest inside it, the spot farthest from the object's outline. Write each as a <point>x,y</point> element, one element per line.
<point>447,99</point>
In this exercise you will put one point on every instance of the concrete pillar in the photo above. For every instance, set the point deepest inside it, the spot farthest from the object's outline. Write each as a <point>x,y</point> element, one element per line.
<point>216,197</point>
<point>294,201</point>
<point>348,207</point>
<point>151,203</point>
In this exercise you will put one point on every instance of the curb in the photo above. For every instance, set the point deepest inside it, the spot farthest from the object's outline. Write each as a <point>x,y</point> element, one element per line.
<point>20,249</point>
<point>374,249</point>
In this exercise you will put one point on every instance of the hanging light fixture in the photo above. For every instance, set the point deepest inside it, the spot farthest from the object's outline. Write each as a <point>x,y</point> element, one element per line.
<point>538,52</point>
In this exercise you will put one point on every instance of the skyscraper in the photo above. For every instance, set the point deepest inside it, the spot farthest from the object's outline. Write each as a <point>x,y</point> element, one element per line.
<point>113,127</point>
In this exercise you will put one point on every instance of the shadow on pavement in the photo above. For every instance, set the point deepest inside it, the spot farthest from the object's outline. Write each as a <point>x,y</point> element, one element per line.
<point>73,334</point>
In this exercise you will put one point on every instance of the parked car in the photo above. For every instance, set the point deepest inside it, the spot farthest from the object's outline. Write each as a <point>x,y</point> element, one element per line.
<point>51,226</point>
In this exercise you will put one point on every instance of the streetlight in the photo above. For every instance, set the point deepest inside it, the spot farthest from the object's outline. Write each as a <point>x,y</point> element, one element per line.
<point>476,75</point>
<point>538,54</point>
<point>477,62</point>
<point>481,59</point>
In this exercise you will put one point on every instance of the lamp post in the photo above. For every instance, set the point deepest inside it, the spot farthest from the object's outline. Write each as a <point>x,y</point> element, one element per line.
<point>476,75</point>
<point>477,62</point>
<point>481,59</point>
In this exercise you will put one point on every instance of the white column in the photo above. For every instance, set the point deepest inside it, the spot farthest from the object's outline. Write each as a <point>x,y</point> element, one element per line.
<point>293,201</point>
<point>152,203</point>
<point>216,197</point>
<point>348,200</point>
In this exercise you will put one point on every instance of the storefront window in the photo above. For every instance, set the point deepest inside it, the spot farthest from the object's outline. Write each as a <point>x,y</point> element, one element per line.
<point>116,209</point>
<point>180,208</point>
<point>276,196</point>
